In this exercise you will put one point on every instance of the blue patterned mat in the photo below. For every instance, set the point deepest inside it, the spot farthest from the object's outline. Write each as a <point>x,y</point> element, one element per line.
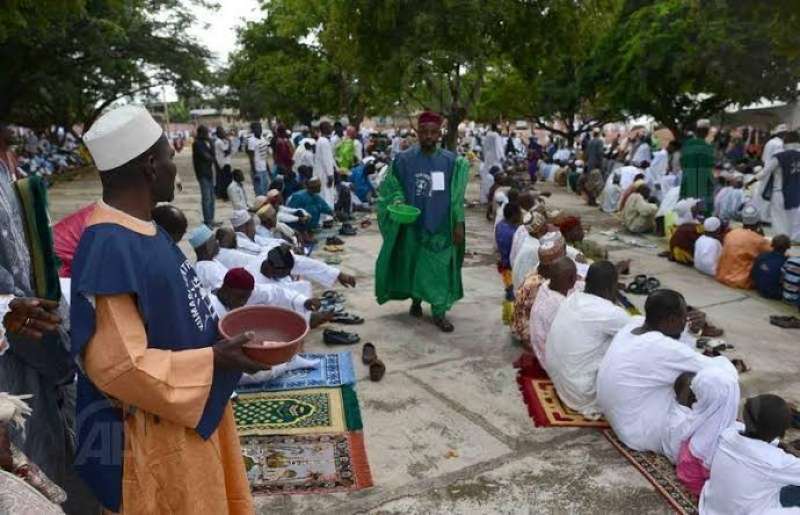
<point>335,369</point>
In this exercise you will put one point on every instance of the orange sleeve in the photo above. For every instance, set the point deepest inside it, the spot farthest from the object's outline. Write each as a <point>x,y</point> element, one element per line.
<point>171,384</point>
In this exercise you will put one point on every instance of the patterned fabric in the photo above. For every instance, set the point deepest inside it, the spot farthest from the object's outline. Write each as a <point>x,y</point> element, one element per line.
<point>283,464</point>
<point>18,497</point>
<point>335,369</point>
<point>657,469</point>
<point>791,281</point>
<point>547,410</point>
<point>313,410</point>
<point>523,302</point>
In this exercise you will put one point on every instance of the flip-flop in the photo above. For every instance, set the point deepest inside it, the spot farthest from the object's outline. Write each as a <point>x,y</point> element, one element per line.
<point>333,260</point>
<point>347,319</point>
<point>653,284</point>
<point>376,370</point>
<point>332,337</point>
<point>785,322</point>
<point>368,354</point>
<point>332,294</point>
<point>740,365</point>
<point>636,288</point>
<point>365,223</point>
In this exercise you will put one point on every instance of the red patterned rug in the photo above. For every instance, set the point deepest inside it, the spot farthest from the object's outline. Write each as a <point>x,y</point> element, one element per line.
<point>539,395</point>
<point>657,469</point>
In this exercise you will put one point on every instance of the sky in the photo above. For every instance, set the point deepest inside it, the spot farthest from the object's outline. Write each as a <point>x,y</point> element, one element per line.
<point>216,28</point>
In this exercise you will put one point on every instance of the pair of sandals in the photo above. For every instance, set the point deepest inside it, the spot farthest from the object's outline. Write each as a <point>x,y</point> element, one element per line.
<point>369,357</point>
<point>643,285</point>
<point>786,322</point>
<point>442,323</point>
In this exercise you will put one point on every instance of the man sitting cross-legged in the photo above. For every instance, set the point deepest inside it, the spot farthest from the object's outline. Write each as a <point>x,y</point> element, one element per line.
<point>563,277</point>
<point>581,332</point>
<point>636,377</point>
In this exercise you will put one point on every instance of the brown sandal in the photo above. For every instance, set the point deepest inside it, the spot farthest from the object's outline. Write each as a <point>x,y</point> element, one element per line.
<point>368,354</point>
<point>376,370</point>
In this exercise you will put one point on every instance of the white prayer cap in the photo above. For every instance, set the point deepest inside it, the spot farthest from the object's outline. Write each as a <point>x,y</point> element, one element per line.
<point>579,163</point>
<point>780,128</point>
<point>121,135</point>
<point>712,224</point>
<point>369,159</point>
<point>199,236</point>
<point>703,123</point>
<point>240,217</point>
<point>750,215</point>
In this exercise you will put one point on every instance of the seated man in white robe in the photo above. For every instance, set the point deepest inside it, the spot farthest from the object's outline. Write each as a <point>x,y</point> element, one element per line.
<point>708,247</point>
<point>551,294</point>
<point>269,228</point>
<point>751,471</point>
<point>581,332</point>
<point>212,272</point>
<point>635,381</point>
<point>245,228</point>
<point>235,292</point>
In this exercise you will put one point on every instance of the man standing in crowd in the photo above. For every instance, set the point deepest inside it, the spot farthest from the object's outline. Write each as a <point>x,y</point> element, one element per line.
<point>153,363</point>
<point>203,161</point>
<point>258,151</point>
<point>422,260</point>
<point>324,164</point>
<point>697,160</point>
<point>781,178</point>
<point>223,148</point>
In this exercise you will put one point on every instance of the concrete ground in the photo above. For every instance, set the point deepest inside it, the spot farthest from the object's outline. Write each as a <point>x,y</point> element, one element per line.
<point>446,430</point>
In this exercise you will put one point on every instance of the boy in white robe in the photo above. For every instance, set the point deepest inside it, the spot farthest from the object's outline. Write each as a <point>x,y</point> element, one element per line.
<point>751,473</point>
<point>708,247</point>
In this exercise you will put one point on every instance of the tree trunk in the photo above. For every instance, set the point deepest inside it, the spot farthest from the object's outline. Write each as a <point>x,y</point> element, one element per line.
<point>454,119</point>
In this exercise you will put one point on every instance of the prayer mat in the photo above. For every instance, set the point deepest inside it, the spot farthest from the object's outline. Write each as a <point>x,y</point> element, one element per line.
<point>335,369</point>
<point>296,412</point>
<point>529,366</point>
<point>547,410</point>
<point>322,463</point>
<point>661,473</point>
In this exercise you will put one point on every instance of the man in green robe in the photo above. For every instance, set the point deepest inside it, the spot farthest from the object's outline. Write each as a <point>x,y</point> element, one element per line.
<point>697,161</point>
<point>422,260</point>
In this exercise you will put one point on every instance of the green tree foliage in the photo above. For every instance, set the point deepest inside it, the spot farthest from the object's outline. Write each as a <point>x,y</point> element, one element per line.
<point>69,71</point>
<point>680,60</point>
<point>548,46</point>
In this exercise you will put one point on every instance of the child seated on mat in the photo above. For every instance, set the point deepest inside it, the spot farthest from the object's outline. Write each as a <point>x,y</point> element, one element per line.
<point>751,472</point>
<point>716,393</point>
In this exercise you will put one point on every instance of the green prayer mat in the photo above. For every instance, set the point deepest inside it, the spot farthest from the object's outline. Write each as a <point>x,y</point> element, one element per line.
<point>296,412</point>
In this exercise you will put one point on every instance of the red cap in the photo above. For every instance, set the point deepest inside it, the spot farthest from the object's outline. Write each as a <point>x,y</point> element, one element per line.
<point>568,223</point>
<point>239,279</point>
<point>429,117</point>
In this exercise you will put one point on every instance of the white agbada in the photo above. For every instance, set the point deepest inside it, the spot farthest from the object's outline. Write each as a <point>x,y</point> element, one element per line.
<point>635,384</point>
<point>670,200</point>
<point>717,393</point>
<point>627,173</point>
<point>543,312</point>
<point>516,244</point>
<point>487,181</point>
<point>302,156</point>
<point>324,166</point>
<point>304,266</point>
<point>246,245</point>
<point>492,150</point>
<point>211,273</point>
<point>642,153</point>
<point>657,169</point>
<point>771,147</point>
<point>784,221</point>
<point>611,195</point>
<point>747,476</point>
<point>527,261</point>
<point>579,336</point>
<point>706,254</point>
<point>728,203</point>
<point>266,295</point>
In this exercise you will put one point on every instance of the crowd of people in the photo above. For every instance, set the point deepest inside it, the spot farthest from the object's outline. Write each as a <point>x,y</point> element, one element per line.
<point>27,153</point>
<point>653,378</point>
<point>155,377</point>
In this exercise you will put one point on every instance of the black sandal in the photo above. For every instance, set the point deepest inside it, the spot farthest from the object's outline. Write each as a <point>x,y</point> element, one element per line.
<point>443,324</point>
<point>332,337</point>
<point>347,319</point>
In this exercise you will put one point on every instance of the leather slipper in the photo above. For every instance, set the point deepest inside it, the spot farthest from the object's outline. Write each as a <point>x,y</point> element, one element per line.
<point>443,324</point>
<point>786,322</point>
<point>365,223</point>
<point>347,319</point>
<point>332,337</point>
<point>376,370</point>
<point>368,353</point>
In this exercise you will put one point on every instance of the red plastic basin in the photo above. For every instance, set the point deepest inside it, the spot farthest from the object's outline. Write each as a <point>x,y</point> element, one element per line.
<point>279,332</point>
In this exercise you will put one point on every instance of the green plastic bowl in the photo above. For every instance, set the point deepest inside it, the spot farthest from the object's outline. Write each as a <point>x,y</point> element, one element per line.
<point>403,213</point>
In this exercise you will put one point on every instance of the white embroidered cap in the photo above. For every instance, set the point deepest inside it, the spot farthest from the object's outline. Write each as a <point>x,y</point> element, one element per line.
<point>121,135</point>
